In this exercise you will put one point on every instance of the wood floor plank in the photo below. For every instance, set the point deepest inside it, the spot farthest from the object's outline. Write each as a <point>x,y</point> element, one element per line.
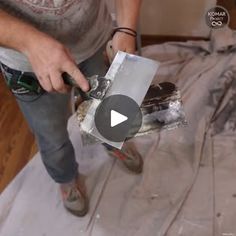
<point>17,144</point>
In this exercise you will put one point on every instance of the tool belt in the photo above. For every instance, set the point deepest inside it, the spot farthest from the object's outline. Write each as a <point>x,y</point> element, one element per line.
<point>21,83</point>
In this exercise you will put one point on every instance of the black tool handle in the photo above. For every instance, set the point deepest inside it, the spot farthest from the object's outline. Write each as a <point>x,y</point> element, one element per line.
<point>69,80</point>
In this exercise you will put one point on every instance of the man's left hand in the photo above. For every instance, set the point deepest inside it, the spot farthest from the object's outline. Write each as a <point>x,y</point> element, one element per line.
<point>123,42</point>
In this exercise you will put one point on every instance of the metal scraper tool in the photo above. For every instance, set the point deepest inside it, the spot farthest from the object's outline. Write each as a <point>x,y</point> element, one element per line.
<point>98,86</point>
<point>128,75</point>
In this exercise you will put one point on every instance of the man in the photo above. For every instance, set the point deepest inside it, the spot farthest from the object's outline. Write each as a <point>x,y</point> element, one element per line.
<point>42,39</point>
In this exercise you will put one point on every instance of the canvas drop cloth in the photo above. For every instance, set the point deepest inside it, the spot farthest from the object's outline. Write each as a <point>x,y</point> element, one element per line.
<point>188,186</point>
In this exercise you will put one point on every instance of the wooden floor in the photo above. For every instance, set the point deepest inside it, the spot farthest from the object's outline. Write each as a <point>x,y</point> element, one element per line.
<point>17,145</point>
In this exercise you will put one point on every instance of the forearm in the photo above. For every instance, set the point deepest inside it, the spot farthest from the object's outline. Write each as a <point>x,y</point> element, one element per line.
<point>48,57</point>
<point>127,12</point>
<point>15,33</point>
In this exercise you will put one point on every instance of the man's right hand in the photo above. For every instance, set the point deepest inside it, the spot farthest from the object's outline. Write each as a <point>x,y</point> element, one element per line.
<point>49,59</point>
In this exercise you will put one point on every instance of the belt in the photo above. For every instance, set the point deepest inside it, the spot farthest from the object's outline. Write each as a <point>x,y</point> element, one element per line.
<point>21,83</point>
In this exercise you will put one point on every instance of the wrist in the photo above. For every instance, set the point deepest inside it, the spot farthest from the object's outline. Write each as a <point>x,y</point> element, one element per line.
<point>128,23</point>
<point>129,26</point>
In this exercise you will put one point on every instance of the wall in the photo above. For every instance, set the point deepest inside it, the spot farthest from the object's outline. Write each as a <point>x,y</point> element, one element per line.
<point>230,5</point>
<point>175,17</point>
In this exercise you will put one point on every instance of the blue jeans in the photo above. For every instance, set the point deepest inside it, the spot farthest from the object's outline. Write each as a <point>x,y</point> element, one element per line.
<point>47,117</point>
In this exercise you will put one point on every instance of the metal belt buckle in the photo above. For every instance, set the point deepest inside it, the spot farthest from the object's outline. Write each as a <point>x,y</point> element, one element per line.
<point>28,81</point>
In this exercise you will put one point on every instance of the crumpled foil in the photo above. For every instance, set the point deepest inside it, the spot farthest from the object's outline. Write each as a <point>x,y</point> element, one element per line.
<point>162,109</point>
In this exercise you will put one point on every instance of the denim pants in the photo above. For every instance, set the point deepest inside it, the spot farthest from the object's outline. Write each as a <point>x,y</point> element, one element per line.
<point>47,117</point>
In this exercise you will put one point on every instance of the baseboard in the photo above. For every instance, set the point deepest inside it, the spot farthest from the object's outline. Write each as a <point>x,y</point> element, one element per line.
<point>157,39</point>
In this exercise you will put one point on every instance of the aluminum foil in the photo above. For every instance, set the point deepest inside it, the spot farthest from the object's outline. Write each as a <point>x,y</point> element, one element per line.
<point>161,108</point>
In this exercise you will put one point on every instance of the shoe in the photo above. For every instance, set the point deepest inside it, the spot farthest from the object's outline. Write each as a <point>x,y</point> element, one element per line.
<point>74,197</point>
<point>130,157</point>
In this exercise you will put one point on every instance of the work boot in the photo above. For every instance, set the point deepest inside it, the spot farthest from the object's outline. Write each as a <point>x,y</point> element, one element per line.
<point>74,197</point>
<point>129,156</point>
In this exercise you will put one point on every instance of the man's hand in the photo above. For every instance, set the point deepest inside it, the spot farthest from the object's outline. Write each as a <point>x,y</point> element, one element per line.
<point>123,42</point>
<point>120,42</point>
<point>49,59</point>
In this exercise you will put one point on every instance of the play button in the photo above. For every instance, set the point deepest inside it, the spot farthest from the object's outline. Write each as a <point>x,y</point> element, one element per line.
<point>118,117</point>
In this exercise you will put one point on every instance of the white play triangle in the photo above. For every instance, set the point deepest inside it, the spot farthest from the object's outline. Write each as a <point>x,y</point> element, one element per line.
<point>117,118</point>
